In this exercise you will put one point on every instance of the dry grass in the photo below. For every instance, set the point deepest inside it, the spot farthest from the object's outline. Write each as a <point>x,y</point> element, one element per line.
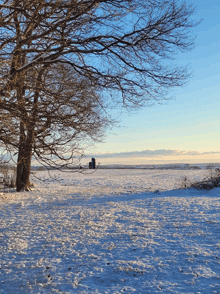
<point>208,183</point>
<point>8,176</point>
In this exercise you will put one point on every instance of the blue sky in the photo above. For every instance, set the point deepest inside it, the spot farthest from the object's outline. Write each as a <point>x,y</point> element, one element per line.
<point>189,124</point>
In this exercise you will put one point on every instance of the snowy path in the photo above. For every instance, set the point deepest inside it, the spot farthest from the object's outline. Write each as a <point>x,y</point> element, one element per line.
<point>60,239</point>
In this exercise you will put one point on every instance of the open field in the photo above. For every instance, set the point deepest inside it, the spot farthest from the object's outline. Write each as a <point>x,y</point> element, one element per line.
<point>112,231</point>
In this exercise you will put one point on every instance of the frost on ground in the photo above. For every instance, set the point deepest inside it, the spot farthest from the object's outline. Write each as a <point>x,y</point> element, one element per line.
<point>112,231</point>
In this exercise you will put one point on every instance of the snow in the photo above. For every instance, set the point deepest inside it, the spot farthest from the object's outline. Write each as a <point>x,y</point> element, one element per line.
<point>111,231</point>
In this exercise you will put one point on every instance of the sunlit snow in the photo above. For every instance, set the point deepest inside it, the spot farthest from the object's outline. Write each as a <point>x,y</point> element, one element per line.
<point>111,231</point>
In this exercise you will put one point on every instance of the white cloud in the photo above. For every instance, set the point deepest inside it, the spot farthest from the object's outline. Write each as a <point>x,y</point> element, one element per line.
<point>151,153</point>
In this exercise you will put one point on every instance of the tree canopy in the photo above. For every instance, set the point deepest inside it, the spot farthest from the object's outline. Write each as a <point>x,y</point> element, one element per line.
<point>62,61</point>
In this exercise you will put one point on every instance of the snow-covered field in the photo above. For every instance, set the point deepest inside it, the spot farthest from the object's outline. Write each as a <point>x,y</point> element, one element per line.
<point>112,231</point>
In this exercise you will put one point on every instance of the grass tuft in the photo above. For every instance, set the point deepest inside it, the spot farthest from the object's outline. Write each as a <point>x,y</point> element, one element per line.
<point>208,183</point>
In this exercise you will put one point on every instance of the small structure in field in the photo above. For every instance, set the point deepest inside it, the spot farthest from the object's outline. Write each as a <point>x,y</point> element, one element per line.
<point>92,164</point>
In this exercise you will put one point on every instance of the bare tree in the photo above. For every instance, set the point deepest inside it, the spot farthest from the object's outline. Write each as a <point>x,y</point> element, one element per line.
<point>61,109</point>
<point>81,51</point>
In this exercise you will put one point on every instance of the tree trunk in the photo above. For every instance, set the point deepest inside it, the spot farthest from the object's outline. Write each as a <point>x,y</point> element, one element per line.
<point>24,161</point>
<point>20,161</point>
<point>24,170</point>
<point>19,182</point>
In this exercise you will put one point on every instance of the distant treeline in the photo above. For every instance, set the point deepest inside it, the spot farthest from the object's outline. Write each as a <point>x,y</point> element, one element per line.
<point>144,166</point>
